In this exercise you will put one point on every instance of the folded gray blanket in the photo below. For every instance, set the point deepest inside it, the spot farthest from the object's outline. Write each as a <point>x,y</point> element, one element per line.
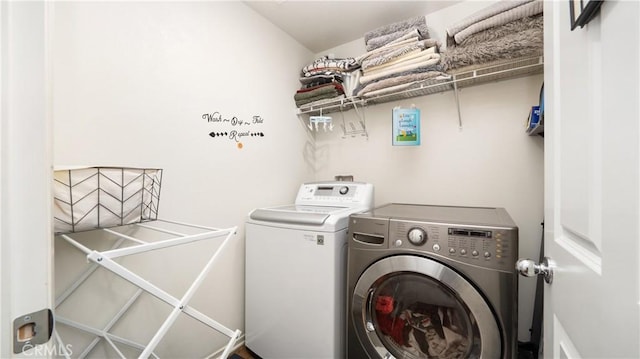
<point>528,9</point>
<point>384,40</point>
<point>524,10</point>
<point>532,22</point>
<point>485,13</point>
<point>418,22</point>
<point>516,45</point>
<point>412,27</point>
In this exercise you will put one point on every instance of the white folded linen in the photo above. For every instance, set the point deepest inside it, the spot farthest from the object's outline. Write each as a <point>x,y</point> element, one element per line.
<point>422,61</point>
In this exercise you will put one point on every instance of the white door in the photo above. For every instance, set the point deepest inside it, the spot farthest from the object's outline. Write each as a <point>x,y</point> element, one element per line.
<point>592,197</point>
<point>25,181</point>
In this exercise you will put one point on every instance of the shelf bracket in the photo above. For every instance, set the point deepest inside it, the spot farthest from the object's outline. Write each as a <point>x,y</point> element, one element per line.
<point>455,92</point>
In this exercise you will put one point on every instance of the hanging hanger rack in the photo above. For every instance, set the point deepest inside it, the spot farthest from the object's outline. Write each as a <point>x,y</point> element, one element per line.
<point>353,131</point>
<point>314,121</point>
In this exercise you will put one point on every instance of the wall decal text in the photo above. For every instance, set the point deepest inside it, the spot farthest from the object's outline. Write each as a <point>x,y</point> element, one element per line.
<point>235,129</point>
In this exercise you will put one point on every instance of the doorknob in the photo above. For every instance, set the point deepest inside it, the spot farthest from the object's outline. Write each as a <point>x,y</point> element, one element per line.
<point>529,268</point>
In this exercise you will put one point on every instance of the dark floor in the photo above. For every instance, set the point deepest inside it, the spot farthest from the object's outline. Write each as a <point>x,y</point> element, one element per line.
<point>243,353</point>
<point>527,350</point>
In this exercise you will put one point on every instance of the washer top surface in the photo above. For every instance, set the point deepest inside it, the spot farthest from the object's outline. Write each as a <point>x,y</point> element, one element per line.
<point>308,209</point>
<point>323,206</point>
<point>486,216</point>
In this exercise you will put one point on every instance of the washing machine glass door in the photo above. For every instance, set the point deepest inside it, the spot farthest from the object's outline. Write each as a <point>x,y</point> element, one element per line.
<point>413,307</point>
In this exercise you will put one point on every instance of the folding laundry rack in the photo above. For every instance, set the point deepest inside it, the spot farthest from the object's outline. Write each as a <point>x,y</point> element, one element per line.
<point>106,260</point>
<point>131,182</point>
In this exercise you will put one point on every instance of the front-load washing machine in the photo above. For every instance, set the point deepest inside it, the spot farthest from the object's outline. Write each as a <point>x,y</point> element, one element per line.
<point>295,281</point>
<point>432,282</point>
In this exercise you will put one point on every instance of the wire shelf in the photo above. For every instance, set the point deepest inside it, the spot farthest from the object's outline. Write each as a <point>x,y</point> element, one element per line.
<point>504,70</point>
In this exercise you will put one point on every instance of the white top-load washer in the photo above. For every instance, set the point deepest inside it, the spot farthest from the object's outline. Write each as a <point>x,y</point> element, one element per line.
<point>295,304</point>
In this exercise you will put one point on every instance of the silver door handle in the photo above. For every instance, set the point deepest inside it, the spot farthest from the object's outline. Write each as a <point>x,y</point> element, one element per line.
<point>530,268</point>
<point>369,323</point>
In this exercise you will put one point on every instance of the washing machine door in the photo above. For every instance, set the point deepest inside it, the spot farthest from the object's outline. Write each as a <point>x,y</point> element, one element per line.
<point>414,307</point>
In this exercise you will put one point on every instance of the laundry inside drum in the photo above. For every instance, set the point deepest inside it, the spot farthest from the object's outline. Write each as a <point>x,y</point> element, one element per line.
<point>417,317</point>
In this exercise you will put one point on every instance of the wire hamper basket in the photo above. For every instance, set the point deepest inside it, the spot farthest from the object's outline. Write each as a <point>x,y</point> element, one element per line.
<point>101,197</point>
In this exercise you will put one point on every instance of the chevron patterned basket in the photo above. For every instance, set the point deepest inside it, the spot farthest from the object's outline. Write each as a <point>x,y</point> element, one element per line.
<point>100,197</point>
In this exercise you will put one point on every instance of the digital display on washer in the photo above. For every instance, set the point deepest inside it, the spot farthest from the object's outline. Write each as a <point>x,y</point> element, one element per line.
<point>334,191</point>
<point>324,191</point>
<point>469,232</point>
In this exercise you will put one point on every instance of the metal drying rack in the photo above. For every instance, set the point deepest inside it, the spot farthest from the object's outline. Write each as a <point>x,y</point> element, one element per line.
<point>106,259</point>
<point>121,204</point>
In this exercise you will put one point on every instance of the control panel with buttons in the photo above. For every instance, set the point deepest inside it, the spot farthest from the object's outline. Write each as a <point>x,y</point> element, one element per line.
<point>335,193</point>
<point>486,246</point>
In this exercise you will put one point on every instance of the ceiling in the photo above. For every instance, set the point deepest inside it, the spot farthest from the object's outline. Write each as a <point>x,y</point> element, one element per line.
<point>322,25</point>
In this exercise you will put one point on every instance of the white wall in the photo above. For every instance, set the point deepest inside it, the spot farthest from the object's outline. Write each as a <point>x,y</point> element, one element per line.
<point>489,162</point>
<point>131,81</point>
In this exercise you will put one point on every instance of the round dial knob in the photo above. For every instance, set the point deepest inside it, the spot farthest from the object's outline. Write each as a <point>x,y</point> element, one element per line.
<point>344,190</point>
<point>417,236</point>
